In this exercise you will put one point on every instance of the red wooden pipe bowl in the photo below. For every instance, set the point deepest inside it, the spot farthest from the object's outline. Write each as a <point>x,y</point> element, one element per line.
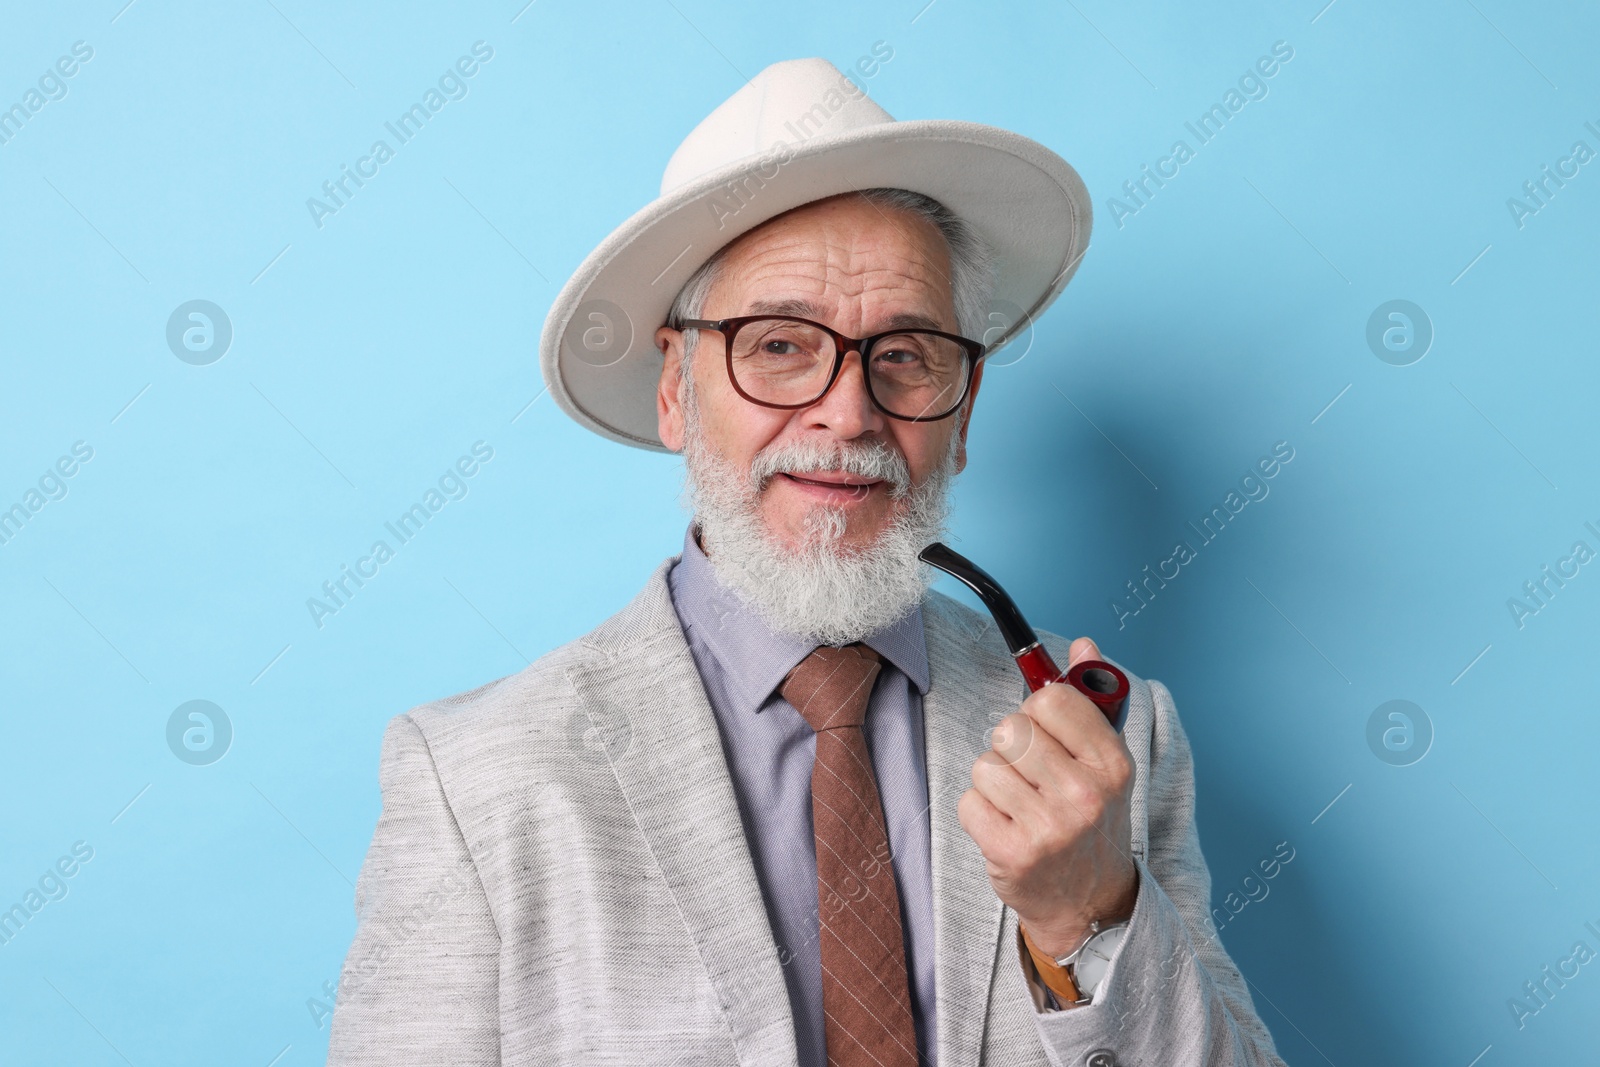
<point>1105,685</point>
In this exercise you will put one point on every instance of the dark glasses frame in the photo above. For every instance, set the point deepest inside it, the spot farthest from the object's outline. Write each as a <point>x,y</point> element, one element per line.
<point>843,346</point>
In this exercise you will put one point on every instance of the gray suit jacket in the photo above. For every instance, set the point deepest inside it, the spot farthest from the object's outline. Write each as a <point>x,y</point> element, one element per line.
<point>560,876</point>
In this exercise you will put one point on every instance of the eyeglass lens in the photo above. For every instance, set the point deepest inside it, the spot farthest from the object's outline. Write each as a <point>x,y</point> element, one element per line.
<point>784,361</point>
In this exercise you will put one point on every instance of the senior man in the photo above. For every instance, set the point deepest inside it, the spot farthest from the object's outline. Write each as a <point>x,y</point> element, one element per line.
<point>789,806</point>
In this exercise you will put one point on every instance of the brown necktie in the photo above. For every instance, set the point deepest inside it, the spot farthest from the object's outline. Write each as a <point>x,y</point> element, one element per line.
<point>866,1001</point>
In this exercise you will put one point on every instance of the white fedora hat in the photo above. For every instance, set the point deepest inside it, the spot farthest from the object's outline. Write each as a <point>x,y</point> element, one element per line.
<point>798,131</point>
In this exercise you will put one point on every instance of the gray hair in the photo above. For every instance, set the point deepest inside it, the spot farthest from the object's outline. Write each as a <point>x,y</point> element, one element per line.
<point>971,266</point>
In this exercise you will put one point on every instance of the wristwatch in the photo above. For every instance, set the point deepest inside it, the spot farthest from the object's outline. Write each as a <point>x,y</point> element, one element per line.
<point>1087,964</point>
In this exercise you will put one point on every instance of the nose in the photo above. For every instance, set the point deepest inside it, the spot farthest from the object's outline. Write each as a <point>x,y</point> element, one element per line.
<point>846,408</point>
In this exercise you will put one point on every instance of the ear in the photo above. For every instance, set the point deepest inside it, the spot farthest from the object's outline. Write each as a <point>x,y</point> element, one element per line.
<point>965,417</point>
<point>669,413</point>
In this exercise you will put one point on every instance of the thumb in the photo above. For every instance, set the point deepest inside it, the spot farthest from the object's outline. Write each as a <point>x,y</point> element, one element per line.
<point>1083,648</point>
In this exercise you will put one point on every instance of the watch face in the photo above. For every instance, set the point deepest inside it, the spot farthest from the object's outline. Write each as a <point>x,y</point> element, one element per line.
<point>1095,959</point>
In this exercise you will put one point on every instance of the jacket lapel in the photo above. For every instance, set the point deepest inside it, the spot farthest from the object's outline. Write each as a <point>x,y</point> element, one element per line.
<point>642,691</point>
<point>972,688</point>
<point>645,697</point>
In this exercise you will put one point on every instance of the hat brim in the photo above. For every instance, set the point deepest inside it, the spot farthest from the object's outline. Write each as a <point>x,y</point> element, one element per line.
<point>597,350</point>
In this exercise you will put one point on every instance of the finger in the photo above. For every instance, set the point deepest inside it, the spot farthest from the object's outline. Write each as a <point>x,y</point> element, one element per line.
<point>983,822</point>
<point>1083,648</point>
<point>988,826</point>
<point>1049,770</point>
<point>1077,725</point>
<point>1013,735</point>
<point>1004,787</point>
<point>1025,815</point>
<point>1028,748</point>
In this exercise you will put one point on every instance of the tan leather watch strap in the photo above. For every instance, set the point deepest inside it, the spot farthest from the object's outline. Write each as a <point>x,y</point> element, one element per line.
<point>1054,977</point>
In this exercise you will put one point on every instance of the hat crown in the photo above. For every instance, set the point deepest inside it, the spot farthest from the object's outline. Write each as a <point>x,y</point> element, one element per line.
<point>787,102</point>
<point>816,125</point>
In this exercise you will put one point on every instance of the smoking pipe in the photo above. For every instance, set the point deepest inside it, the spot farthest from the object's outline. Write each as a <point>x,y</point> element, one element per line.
<point>1098,680</point>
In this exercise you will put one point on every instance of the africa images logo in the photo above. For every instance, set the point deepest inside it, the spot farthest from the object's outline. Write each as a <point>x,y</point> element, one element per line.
<point>452,85</point>
<point>52,86</point>
<point>1253,486</point>
<point>1251,85</point>
<point>451,485</point>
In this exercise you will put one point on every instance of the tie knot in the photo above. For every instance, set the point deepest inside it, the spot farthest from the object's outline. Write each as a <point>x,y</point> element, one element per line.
<point>830,687</point>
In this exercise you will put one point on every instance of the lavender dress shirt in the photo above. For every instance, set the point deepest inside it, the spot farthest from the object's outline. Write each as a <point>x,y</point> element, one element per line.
<point>770,751</point>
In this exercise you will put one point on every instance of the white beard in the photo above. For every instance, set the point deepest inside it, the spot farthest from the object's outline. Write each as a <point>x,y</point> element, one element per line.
<point>820,590</point>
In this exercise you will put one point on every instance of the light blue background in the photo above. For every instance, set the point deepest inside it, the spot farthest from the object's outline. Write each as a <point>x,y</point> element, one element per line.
<point>370,353</point>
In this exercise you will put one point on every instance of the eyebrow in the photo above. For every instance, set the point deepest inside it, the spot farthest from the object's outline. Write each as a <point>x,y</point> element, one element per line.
<point>807,309</point>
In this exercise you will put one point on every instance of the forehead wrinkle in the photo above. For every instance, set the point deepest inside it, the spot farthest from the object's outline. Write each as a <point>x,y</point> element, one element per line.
<point>780,278</point>
<point>838,256</point>
<point>843,247</point>
<point>861,268</point>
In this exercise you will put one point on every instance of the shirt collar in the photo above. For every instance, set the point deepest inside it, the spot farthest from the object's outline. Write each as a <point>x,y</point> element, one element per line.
<point>756,659</point>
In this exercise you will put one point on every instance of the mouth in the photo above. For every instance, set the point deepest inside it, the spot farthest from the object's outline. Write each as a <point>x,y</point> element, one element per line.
<point>832,486</point>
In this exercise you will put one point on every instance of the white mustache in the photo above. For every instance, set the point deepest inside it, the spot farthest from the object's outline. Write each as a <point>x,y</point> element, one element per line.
<point>877,461</point>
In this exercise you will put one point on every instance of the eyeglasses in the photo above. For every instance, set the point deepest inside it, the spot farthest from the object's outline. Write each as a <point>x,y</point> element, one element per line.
<point>783,362</point>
